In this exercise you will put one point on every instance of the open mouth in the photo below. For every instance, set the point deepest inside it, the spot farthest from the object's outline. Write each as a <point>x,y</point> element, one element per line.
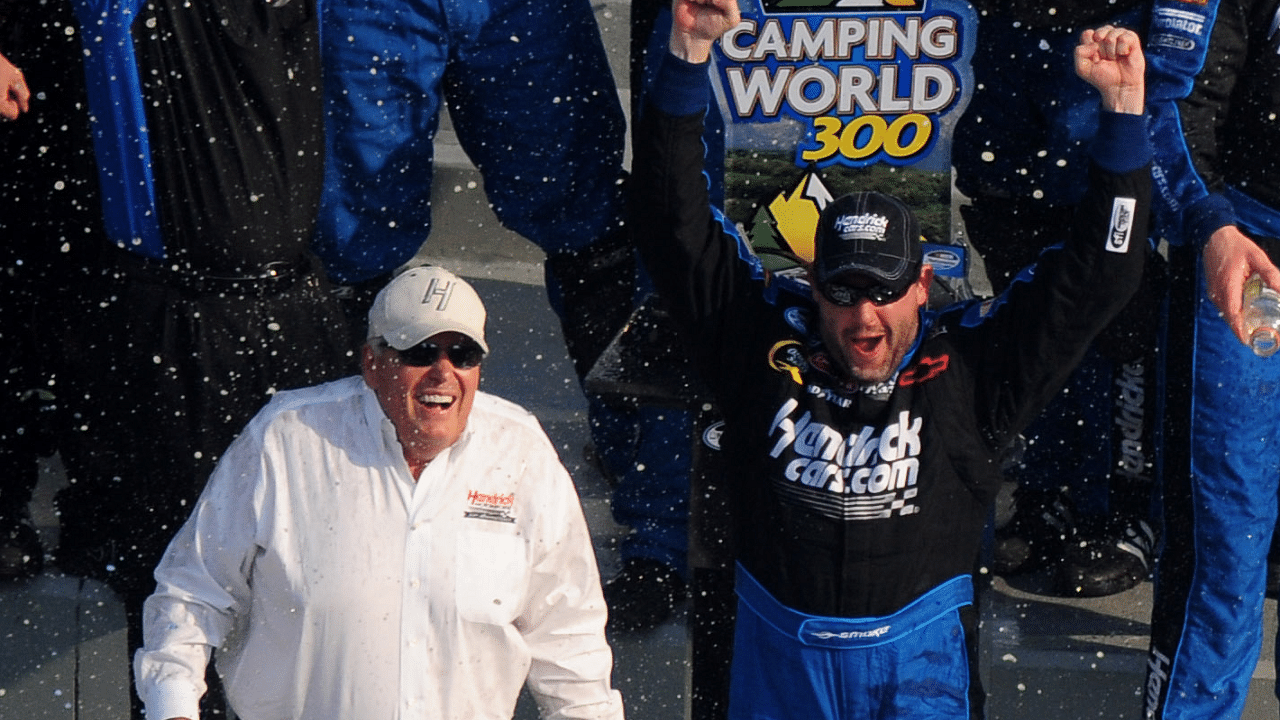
<point>866,346</point>
<point>432,400</point>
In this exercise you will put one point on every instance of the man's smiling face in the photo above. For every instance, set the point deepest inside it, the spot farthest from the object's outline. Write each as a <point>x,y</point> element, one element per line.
<point>428,405</point>
<point>869,341</point>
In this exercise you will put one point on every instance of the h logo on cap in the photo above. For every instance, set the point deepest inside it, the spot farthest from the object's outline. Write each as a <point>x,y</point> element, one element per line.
<point>442,289</point>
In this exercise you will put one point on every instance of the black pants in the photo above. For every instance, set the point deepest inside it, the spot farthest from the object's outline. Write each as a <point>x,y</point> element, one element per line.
<point>23,399</point>
<point>154,383</point>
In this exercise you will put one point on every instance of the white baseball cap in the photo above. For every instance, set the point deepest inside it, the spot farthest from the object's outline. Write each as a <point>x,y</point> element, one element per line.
<point>425,301</point>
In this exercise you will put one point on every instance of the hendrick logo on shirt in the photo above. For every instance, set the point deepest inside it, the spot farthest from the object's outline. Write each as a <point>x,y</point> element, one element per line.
<point>490,506</point>
<point>872,471</point>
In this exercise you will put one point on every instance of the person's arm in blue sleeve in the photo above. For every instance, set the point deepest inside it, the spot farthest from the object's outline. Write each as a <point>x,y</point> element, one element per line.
<point>1190,79</point>
<point>1193,68</point>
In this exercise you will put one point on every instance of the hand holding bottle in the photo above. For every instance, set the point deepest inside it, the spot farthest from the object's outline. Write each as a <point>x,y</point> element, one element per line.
<point>1261,316</point>
<point>1230,259</point>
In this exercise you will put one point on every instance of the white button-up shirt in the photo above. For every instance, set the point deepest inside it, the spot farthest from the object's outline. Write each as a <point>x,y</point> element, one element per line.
<point>337,587</point>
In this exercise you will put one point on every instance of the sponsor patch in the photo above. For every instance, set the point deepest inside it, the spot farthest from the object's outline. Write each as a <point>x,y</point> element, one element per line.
<point>1178,21</point>
<point>829,395</point>
<point>865,475</point>
<point>927,369</point>
<point>943,260</point>
<point>711,436</point>
<point>1158,667</point>
<point>495,507</point>
<point>1129,417</point>
<point>822,361</point>
<point>866,225</point>
<point>1173,42</point>
<point>787,356</point>
<point>851,634</point>
<point>1121,229</point>
<point>797,318</point>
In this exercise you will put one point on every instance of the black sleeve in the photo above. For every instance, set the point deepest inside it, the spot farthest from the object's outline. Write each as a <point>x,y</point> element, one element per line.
<point>695,260</point>
<point>1205,112</point>
<point>1027,341</point>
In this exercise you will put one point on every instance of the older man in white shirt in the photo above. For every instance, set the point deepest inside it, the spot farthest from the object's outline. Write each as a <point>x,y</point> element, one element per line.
<point>397,545</point>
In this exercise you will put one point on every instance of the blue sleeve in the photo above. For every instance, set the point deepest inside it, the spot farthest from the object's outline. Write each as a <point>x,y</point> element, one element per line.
<point>1121,143</point>
<point>682,88</point>
<point>1188,202</point>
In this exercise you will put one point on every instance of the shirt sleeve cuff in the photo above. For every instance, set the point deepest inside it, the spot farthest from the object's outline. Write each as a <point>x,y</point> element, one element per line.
<point>173,700</point>
<point>1205,216</point>
<point>1121,144</point>
<point>681,87</point>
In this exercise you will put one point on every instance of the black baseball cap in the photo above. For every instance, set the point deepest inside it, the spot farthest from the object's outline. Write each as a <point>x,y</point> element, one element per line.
<point>871,234</point>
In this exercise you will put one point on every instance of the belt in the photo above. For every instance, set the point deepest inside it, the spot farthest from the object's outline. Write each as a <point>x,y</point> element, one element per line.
<point>838,632</point>
<point>266,280</point>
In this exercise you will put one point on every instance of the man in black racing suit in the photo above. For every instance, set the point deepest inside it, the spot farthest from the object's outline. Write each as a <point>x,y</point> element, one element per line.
<point>862,431</point>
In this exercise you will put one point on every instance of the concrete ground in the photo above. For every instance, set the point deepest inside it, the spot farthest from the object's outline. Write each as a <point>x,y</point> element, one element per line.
<point>62,645</point>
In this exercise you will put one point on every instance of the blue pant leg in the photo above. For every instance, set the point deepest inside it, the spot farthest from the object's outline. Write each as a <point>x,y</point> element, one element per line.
<point>775,676</point>
<point>652,496</point>
<point>536,109</point>
<point>383,65</point>
<point>1234,466</point>
<point>541,119</point>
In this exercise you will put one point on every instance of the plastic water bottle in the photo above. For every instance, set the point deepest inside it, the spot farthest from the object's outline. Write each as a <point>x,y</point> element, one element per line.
<point>1261,317</point>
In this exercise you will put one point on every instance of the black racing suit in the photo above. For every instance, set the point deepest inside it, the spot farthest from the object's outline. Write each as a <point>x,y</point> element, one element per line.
<point>168,174</point>
<point>851,501</point>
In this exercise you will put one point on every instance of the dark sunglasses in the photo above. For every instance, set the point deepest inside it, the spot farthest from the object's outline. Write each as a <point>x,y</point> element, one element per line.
<point>849,295</point>
<point>463,354</point>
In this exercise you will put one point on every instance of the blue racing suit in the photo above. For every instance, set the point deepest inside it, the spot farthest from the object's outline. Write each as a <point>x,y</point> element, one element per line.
<point>531,97</point>
<point>1213,91</point>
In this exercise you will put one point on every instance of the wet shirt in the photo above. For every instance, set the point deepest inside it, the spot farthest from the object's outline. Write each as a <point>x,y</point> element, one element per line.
<point>338,587</point>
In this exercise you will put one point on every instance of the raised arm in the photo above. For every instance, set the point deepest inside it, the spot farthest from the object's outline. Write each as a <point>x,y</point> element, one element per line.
<point>1111,60</point>
<point>697,24</point>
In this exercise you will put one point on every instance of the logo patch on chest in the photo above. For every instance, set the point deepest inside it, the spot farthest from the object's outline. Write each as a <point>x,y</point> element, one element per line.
<point>863,475</point>
<point>495,507</point>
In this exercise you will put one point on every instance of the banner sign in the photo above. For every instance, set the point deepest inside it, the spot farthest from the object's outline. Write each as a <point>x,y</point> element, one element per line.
<point>824,97</point>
